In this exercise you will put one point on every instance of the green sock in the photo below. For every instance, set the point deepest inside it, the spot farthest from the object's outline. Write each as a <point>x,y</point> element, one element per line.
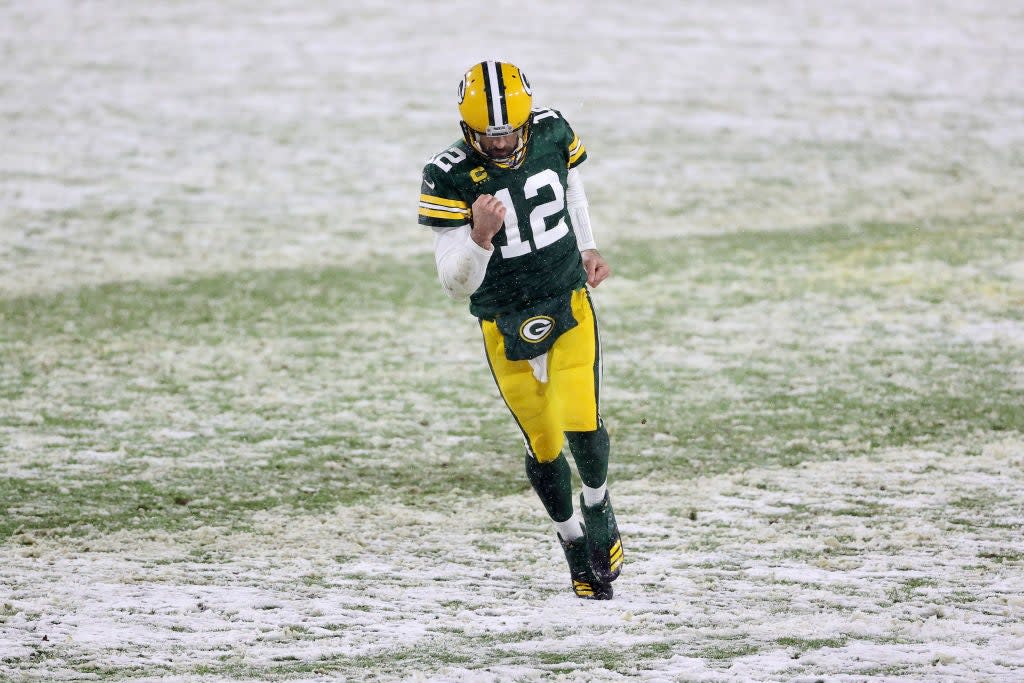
<point>553,483</point>
<point>591,450</point>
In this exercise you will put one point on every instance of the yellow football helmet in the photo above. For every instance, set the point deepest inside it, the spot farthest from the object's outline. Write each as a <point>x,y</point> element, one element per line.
<point>495,100</point>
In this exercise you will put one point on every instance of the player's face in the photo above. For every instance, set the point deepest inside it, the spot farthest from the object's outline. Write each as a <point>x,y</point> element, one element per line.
<point>499,146</point>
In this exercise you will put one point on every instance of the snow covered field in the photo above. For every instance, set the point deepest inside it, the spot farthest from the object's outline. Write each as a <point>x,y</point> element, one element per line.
<point>243,437</point>
<point>178,137</point>
<point>789,575</point>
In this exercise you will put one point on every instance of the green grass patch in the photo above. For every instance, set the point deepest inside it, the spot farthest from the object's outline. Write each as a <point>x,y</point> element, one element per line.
<point>301,390</point>
<point>808,644</point>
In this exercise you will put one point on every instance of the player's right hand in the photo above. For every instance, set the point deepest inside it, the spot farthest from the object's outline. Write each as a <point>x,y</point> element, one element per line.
<point>488,217</point>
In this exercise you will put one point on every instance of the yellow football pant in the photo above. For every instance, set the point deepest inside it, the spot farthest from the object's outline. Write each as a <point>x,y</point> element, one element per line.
<point>568,401</point>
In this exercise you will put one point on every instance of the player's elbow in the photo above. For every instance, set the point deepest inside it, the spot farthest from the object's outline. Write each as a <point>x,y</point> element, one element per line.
<point>461,265</point>
<point>459,277</point>
<point>454,291</point>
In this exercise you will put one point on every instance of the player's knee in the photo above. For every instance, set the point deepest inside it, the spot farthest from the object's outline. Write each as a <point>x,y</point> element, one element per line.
<point>548,448</point>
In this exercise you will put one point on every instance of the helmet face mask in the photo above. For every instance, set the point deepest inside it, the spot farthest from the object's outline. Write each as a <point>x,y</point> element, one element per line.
<point>495,101</point>
<point>515,154</point>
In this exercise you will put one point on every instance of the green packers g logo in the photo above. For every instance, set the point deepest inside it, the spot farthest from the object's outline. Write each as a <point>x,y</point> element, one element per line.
<point>478,174</point>
<point>536,329</point>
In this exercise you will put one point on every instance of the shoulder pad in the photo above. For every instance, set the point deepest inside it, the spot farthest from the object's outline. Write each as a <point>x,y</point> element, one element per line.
<point>542,113</point>
<point>447,159</point>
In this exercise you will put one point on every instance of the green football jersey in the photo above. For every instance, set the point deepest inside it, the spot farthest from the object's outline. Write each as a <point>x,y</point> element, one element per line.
<point>535,254</point>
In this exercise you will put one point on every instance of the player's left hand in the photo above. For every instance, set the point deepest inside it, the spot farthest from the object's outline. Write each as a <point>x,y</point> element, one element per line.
<point>595,265</point>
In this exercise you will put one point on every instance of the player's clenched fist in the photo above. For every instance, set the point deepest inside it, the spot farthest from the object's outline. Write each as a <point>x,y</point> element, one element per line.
<point>597,268</point>
<point>488,217</point>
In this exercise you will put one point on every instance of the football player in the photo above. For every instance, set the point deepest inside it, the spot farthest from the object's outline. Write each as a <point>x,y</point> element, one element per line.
<point>512,233</point>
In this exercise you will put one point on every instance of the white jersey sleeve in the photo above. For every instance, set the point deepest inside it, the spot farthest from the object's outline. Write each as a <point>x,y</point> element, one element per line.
<point>577,206</point>
<point>461,262</point>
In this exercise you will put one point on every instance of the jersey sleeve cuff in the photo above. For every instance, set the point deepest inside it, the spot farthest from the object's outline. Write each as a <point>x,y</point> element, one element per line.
<point>480,253</point>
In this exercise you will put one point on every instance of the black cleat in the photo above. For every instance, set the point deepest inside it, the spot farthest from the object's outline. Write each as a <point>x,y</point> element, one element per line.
<point>603,539</point>
<point>584,583</point>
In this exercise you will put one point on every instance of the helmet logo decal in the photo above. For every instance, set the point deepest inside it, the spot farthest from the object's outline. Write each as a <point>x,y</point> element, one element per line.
<point>526,83</point>
<point>462,87</point>
<point>536,329</point>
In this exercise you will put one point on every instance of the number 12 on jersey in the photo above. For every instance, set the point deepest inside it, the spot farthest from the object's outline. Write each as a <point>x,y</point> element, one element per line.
<point>542,236</point>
